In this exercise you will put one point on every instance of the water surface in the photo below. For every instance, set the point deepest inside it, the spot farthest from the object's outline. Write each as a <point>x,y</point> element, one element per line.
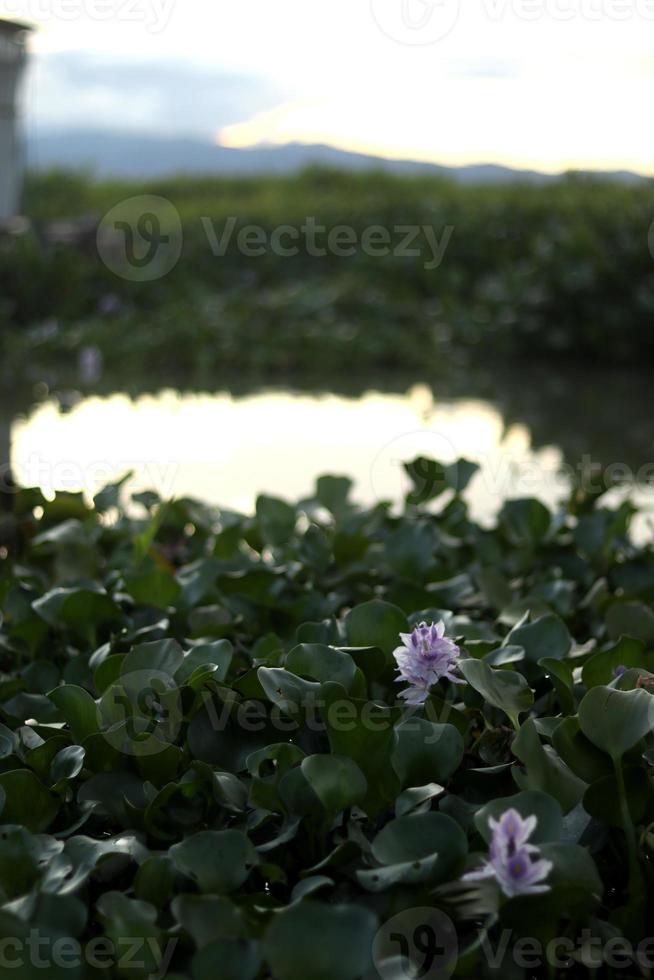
<point>228,448</point>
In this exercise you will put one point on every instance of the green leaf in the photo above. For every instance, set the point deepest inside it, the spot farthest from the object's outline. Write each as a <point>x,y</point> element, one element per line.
<point>575,891</point>
<point>332,492</point>
<point>321,663</point>
<point>239,959</point>
<point>127,917</point>
<point>417,797</point>
<point>208,918</point>
<point>504,689</point>
<point>602,799</point>
<point>627,652</point>
<point>377,624</point>
<point>426,752</point>
<point>430,478</point>
<point>560,674</point>
<point>67,763</point>
<point>219,861</point>
<point>8,742</point>
<point>276,520</point>
<point>403,873</point>
<point>614,720</point>
<point>323,942</point>
<point>27,801</point>
<point>575,871</point>
<point>155,880</point>
<point>584,758</point>
<point>297,795</point>
<point>163,656</point>
<point>290,693</point>
<point>411,549</point>
<point>109,496</point>
<point>525,522</point>
<point>217,654</point>
<point>145,539</point>
<point>546,637</point>
<point>80,609</point>
<point>155,587</point>
<point>363,731</point>
<point>635,619</point>
<point>419,836</point>
<point>336,780</point>
<point>78,709</point>
<point>544,770</point>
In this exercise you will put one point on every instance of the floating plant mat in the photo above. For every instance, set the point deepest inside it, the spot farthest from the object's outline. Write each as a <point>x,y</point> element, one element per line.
<point>230,748</point>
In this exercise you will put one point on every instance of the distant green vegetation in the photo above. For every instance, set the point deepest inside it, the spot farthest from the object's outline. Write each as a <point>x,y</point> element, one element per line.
<point>562,267</point>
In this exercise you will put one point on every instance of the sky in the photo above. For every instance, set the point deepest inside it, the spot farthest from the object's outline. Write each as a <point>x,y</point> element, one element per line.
<point>549,84</point>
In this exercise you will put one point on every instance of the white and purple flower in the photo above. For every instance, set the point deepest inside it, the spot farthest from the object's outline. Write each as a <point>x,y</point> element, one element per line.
<point>426,656</point>
<point>515,864</point>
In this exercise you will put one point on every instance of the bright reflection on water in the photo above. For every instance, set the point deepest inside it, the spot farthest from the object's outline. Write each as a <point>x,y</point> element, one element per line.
<point>226,450</point>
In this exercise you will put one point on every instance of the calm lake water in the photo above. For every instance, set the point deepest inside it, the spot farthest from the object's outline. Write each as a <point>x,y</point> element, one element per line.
<point>226,448</point>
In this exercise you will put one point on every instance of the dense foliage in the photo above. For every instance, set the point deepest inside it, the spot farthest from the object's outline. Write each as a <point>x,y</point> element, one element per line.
<point>204,763</point>
<point>561,267</point>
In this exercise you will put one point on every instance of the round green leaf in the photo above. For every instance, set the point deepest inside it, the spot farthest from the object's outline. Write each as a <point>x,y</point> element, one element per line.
<point>217,860</point>
<point>422,835</point>
<point>376,624</point>
<point>426,752</point>
<point>321,663</point>
<point>336,780</point>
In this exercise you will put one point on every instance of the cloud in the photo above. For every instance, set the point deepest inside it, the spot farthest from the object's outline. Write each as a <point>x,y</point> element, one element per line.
<point>73,89</point>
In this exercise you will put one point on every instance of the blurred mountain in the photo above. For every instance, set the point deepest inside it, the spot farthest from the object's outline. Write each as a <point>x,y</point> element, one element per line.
<point>126,154</point>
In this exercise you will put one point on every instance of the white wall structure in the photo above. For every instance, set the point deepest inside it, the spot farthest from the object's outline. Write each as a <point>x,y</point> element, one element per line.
<point>13,55</point>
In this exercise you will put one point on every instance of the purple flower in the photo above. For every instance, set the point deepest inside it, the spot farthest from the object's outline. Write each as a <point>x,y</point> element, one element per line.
<point>511,831</point>
<point>514,863</point>
<point>619,671</point>
<point>427,655</point>
<point>523,873</point>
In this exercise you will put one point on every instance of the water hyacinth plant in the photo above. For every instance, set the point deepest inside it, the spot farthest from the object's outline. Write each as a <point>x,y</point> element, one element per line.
<point>201,741</point>
<point>512,861</point>
<point>426,656</point>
